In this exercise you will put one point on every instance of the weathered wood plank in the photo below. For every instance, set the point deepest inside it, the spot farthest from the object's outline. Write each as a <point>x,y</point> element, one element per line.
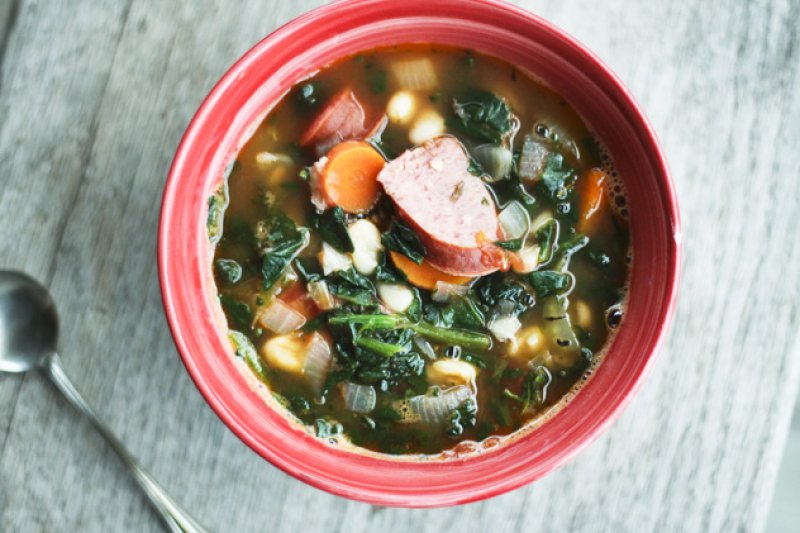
<point>93,101</point>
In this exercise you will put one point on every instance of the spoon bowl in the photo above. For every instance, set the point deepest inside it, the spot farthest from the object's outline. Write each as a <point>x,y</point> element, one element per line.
<point>28,323</point>
<point>28,340</point>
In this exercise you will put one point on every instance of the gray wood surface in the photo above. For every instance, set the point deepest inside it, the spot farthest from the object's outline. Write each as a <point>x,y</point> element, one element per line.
<point>94,97</point>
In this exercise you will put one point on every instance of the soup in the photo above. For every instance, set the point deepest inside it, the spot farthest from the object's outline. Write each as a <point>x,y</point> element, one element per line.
<point>420,246</point>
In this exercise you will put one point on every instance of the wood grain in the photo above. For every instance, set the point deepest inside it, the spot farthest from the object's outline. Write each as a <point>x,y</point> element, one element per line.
<point>94,97</point>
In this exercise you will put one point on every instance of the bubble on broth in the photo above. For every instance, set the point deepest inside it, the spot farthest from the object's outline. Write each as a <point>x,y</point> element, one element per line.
<point>618,197</point>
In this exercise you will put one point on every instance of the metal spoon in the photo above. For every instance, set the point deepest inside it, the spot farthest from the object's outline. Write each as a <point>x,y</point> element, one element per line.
<point>28,335</point>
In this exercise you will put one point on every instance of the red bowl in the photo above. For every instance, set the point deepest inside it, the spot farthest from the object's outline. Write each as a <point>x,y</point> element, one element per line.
<point>237,105</point>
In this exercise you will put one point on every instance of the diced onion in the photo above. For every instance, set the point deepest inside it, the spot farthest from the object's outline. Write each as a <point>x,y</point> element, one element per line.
<point>444,291</point>
<point>525,260</point>
<point>437,409</point>
<point>532,160</point>
<point>321,295</point>
<point>514,220</point>
<point>415,74</point>
<point>495,160</point>
<point>560,335</point>
<point>315,182</point>
<point>424,347</point>
<point>280,318</point>
<point>318,361</point>
<point>358,398</point>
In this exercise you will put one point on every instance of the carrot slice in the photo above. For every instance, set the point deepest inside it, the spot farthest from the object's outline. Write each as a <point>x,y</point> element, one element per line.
<point>349,178</point>
<point>424,276</point>
<point>592,202</point>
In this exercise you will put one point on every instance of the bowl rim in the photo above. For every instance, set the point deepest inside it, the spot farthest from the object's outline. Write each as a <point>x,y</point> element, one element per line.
<point>667,196</point>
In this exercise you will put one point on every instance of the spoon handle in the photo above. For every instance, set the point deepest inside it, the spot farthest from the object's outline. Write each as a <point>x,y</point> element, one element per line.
<point>175,518</point>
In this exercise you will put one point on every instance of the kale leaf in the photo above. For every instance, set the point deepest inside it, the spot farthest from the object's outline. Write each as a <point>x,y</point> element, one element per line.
<point>482,115</point>
<point>228,270</point>
<point>465,313</point>
<point>307,269</point>
<point>238,312</point>
<point>400,238</point>
<point>332,227</point>
<point>351,286</point>
<point>568,247</point>
<point>549,282</point>
<point>281,244</point>
<point>217,203</point>
<point>557,177</point>
<point>327,428</point>
<point>534,388</point>
<point>497,288</point>
<point>386,272</point>
<point>546,236</point>
<point>513,244</point>
<point>463,417</point>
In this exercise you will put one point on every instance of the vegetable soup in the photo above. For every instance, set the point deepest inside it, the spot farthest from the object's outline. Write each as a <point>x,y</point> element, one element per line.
<point>420,246</point>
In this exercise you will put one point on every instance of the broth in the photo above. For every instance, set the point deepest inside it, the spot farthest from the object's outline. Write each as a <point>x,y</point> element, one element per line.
<point>479,355</point>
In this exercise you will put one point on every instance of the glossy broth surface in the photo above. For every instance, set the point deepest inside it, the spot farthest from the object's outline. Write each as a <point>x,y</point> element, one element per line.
<point>527,369</point>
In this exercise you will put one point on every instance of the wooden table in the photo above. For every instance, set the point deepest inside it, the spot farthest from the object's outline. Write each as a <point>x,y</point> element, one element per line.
<point>94,98</point>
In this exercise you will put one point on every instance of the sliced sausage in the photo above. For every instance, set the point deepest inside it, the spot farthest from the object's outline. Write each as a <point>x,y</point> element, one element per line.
<point>451,210</point>
<point>343,118</point>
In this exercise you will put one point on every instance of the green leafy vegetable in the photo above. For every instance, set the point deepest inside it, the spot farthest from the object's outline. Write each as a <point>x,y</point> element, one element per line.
<point>332,227</point>
<point>278,258</point>
<point>546,236</point>
<point>307,269</point>
<point>482,115</point>
<point>473,360</point>
<point>280,244</point>
<point>549,282</point>
<point>327,428</point>
<point>377,79</point>
<point>228,270</point>
<point>244,349</point>
<point>400,238</point>
<point>513,244</point>
<point>463,312</point>
<point>470,340</point>
<point>556,177</point>
<point>384,349</point>
<point>351,286</point>
<point>238,312</point>
<point>496,288</point>
<point>568,247</point>
<point>534,388</point>
<point>463,417</point>
<point>217,203</point>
